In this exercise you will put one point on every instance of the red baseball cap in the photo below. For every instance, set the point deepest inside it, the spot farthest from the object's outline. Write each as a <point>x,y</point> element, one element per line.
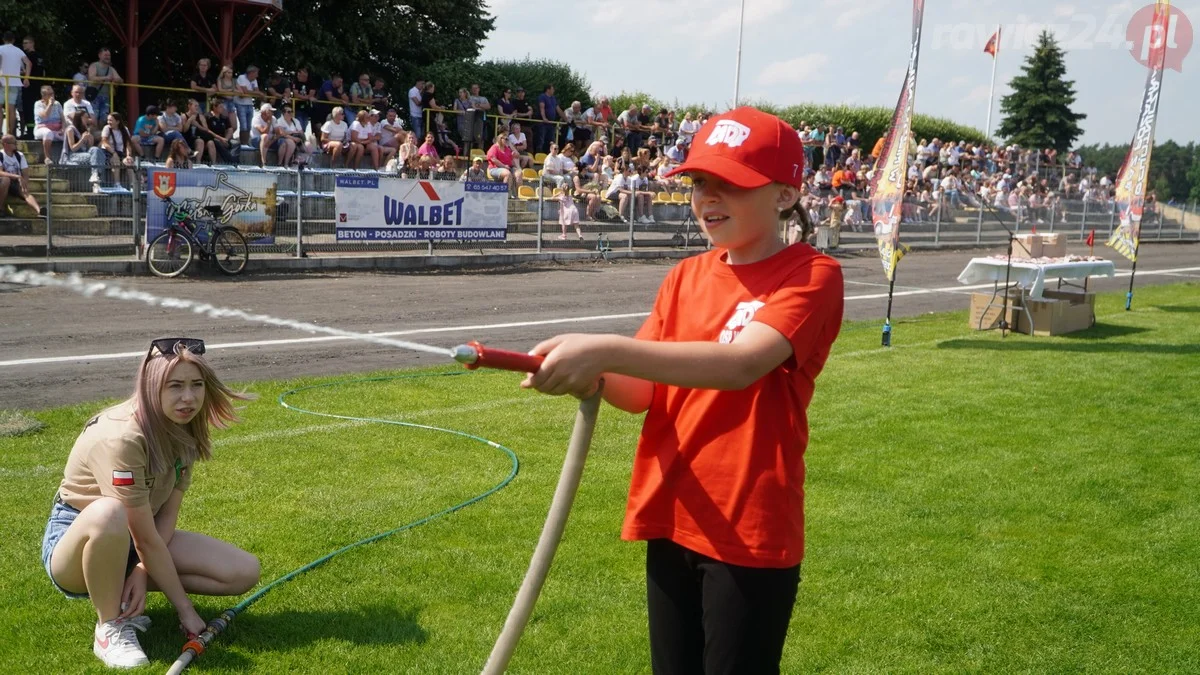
<point>747,148</point>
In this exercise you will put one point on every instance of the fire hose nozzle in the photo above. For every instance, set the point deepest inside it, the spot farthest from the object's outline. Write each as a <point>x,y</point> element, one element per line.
<point>474,355</point>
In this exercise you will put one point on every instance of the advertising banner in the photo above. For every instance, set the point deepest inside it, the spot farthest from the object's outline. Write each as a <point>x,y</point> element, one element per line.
<point>246,199</point>
<point>375,208</point>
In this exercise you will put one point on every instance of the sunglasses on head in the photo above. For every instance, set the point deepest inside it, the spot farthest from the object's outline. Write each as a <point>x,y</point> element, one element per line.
<point>168,346</point>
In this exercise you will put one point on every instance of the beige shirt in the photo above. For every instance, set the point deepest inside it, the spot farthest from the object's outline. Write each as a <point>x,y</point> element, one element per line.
<point>110,459</point>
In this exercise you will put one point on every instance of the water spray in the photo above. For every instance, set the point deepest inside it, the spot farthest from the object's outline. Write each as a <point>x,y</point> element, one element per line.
<point>473,355</point>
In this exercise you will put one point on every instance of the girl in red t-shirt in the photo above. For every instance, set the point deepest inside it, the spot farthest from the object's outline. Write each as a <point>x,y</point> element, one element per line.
<point>724,367</point>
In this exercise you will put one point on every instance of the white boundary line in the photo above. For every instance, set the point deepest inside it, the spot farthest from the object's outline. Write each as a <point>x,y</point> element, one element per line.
<point>957,289</point>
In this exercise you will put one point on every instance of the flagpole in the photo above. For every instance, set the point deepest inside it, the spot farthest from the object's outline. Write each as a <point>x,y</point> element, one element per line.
<point>737,69</point>
<point>992,91</point>
<point>1132,274</point>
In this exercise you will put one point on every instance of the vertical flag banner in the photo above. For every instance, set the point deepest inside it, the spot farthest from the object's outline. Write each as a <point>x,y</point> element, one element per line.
<point>891,167</point>
<point>1130,195</point>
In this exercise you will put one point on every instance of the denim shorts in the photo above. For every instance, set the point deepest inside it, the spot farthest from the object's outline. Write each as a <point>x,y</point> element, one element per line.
<point>61,517</point>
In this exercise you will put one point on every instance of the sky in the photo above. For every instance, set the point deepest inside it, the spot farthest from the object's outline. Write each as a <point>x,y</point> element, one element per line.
<point>833,51</point>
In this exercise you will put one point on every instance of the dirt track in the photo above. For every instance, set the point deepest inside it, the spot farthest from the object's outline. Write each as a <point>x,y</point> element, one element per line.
<point>41,322</point>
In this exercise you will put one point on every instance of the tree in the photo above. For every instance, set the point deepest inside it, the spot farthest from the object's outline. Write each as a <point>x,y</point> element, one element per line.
<point>1037,114</point>
<point>397,41</point>
<point>1194,177</point>
<point>1173,172</point>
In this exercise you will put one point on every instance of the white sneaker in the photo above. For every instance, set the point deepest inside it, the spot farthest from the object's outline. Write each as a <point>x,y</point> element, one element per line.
<point>95,178</point>
<point>650,219</point>
<point>645,220</point>
<point>116,642</point>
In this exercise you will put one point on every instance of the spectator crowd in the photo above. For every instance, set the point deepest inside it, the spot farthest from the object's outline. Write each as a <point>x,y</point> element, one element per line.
<point>593,154</point>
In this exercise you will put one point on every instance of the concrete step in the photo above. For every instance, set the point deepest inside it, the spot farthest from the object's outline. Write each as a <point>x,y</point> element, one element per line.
<point>67,227</point>
<point>38,185</point>
<point>57,211</point>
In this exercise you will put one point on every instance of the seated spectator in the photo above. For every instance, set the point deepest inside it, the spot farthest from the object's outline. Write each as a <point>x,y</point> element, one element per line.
<point>502,164</point>
<point>170,123</point>
<point>77,102</point>
<point>623,187</point>
<point>118,144</point>
<point>361,92</point>
<point>289,129</point>
<point>360,139</point>
<point>179,157</point>
<point>663,123</point>
<point>217,134</point>
<point>264,136</point>
<point>48,119</point>
<point>409,150</point>
<point>79,148</point>
<point>334,135</point>
<point>391,132</point>
<point>476,173</point>
<point>677,152</point>
<point>14,175</point>
<point>204,83</point>
<point>247,86</point>
<point>429,148</point>
<point>146,130</point>
<point>553,169</point>
<point>379,154</point>
<point>687,129</point>
<point>446,169</point>
<point>517,142</point>
<point>652,148</point>
<point>193,124</point>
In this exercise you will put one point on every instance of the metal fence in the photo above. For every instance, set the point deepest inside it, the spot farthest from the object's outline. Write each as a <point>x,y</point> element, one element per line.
<point>103,212</point>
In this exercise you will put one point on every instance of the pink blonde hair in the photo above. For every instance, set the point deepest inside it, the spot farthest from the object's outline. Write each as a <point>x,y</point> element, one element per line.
<point>167,441</point>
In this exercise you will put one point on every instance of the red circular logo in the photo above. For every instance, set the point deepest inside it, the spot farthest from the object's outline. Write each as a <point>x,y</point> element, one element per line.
<point>1145,38</point>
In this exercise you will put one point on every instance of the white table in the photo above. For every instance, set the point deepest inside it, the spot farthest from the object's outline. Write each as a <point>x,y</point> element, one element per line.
<point>1029,278</point>
<point>1032,276</point>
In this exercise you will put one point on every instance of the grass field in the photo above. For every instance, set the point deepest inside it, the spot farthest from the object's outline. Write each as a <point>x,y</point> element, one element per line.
<point>974,505</point>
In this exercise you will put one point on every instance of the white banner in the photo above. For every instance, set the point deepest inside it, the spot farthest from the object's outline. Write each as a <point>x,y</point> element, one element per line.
<point>379,208</point>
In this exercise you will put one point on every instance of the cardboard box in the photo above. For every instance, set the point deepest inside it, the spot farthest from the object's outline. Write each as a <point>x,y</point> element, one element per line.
<point>1027,246</point>
<point>987,318</point>
<point>1054,245</point>
<point>1057,313</point>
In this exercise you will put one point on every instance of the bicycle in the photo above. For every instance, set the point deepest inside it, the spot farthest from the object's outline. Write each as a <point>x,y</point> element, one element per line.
<point>172,250</point>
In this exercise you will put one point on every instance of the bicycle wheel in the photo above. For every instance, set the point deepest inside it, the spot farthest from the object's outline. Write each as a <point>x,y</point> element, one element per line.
<point>230,251</point>
<point>169,254</point>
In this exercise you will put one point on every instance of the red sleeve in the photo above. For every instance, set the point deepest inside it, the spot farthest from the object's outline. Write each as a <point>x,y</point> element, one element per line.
<point>652,328</point>
<point>491,156</point>
<point>807,309</point>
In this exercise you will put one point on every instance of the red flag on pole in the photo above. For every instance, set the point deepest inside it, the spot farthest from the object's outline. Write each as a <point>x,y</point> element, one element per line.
<point>1091,240</point>
<point>993,44</point>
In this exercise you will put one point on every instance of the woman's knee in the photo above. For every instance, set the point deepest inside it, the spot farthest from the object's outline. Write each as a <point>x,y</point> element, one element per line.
<point>106,517</point>
<point>246,572</point>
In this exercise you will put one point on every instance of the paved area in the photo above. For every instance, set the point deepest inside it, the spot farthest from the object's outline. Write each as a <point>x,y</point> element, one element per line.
<point>58,348</point>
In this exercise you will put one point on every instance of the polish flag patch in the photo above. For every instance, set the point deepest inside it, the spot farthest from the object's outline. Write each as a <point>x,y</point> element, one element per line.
<point>122,478</point>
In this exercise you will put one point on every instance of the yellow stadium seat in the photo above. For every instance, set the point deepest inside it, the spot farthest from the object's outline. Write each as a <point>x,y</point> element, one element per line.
<point>529,174</point>
<point>663,197</point>
<point>526,192</point>
<point>476,152</point>
<point>679,198</point>
<point>539,158</point>
<point>686,180</point>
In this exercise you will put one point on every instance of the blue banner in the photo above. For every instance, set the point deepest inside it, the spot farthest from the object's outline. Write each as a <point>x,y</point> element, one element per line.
<point>245,200</point>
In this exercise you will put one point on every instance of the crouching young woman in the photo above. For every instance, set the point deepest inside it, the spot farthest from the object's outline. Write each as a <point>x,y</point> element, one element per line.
<point>111,535</point>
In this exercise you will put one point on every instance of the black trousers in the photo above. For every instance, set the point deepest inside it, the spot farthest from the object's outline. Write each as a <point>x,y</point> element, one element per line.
<point>712,618</point>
